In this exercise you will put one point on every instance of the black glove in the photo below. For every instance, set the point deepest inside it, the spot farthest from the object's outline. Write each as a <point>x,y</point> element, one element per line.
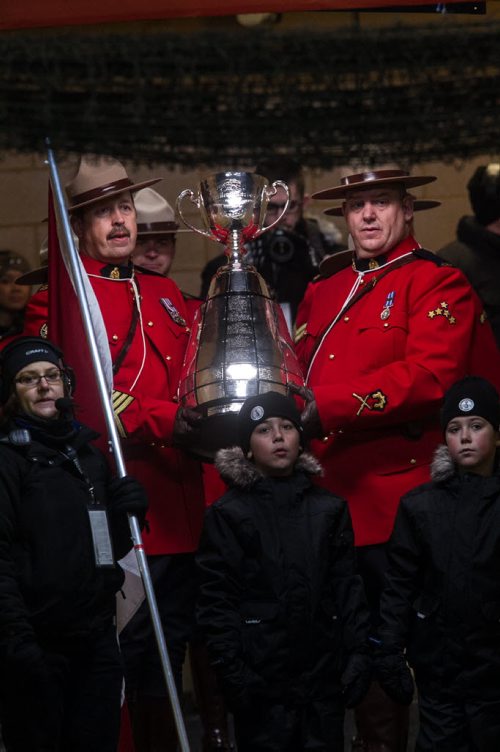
<point>187,426</point>
<point>311,422</point>
<point>356,678</point>
<point>394,675</point>
<point>127,496</point>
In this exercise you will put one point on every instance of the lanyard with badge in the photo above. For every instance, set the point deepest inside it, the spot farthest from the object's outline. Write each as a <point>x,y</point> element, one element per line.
<point>98,517</point>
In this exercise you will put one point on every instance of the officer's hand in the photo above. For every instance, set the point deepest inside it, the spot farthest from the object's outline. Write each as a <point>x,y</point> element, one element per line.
<point>311,422</point>
<point>187,426</point>
<point>394,675</point>
<point>128,496</point>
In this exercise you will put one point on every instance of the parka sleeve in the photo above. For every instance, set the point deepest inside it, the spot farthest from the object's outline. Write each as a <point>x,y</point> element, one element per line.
<point>402,580</point>
<point>15,625</point>
<point>348,586</point>
<point>219,564</point>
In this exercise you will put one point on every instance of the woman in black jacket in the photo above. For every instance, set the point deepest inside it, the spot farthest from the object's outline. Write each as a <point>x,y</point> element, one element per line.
<point>63,525</point>
<point>282,609</point>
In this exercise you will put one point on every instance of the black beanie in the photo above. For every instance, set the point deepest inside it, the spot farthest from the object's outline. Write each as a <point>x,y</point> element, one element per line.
<point>19,354</point>
<point>484,193</point>
<point>471,396</point>
<point>257,409</point>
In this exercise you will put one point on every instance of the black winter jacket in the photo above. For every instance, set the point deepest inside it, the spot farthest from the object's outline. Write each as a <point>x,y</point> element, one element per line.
<point>50,587</point>
<point>280,603</point>
<point>442,599</point>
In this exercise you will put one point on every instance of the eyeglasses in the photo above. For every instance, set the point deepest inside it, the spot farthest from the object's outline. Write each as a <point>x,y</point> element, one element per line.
<point>32,379</point>
<point>275,208</point>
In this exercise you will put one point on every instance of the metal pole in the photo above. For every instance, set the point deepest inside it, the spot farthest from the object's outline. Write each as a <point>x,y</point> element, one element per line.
<point>76,274</point>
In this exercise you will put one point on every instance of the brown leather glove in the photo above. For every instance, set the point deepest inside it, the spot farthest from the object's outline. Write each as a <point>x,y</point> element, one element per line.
<point>187,427</point>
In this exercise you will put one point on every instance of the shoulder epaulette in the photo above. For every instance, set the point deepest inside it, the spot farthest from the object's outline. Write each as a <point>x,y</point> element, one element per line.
<point>422,253</point>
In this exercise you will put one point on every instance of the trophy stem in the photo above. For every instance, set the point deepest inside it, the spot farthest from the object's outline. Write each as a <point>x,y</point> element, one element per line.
<point>234,248</point>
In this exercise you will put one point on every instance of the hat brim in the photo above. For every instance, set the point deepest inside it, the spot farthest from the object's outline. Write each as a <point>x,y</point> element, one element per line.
<point>129,189</point>
<point>341,191</point>
<point>418,205</point>
<point>37,276</point>
<point>156,233</point>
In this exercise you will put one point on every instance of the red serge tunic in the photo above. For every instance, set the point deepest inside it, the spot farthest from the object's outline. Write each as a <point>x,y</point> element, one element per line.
<point>380,372</point>
<point>145,390</point>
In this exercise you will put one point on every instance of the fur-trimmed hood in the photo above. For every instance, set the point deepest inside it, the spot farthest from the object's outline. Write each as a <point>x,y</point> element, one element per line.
<point>236,470</point>
<point>442,466</point>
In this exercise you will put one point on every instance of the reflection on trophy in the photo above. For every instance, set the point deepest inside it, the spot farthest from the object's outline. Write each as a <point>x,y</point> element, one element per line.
<point>239,344</point>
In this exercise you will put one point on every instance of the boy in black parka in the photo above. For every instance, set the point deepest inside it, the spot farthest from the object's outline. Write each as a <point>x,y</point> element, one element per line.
<point>280,604</point>
<point>442,600</point>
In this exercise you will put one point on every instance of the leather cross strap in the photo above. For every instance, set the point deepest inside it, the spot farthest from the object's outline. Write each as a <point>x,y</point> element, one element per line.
<point>130,335</point>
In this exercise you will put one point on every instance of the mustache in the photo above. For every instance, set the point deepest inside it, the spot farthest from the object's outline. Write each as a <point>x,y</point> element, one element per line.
<point>120,230</point>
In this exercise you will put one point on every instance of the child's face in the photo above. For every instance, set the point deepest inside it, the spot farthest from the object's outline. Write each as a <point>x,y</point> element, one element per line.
<point>472,443</point>
<point>275,446</point>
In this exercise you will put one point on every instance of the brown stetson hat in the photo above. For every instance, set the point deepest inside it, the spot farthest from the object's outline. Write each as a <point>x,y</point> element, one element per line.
<point>419,204</point>
<point>367,180</point>
<point>99,178</point>
<point>155,216</point>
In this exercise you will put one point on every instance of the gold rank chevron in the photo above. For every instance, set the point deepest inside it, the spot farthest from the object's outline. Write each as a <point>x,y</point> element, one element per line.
<point>121,400</point>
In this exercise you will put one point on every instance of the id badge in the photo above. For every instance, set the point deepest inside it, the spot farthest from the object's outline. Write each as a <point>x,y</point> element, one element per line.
<point>103,548</point>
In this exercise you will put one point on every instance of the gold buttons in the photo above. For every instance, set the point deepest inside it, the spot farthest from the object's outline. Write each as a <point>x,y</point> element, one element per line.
<point>386,324</point>
<point>331,356</point>
<point>150,323</point>
<point>340,431</point>
<point>168,357</point>
<point>153,443</point>
<point>413,461</point>
<point>175,399</point>
<point>346,318</point>
<point>324,439</point>
<point>114,337</point>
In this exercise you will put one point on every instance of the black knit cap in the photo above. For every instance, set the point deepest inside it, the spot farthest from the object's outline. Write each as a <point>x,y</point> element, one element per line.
<point>257,409</point>
<point>472,395</point>
<point>21,353</point>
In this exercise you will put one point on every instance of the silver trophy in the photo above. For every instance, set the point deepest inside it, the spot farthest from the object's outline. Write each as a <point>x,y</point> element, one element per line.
<point>240,344</point>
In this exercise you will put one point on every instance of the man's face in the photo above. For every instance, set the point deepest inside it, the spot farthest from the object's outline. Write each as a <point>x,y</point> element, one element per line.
<point>107,230</point>
<point>378,219</point>
<point>155,252</point>
<point>277,204</point>
<point>13,297</point>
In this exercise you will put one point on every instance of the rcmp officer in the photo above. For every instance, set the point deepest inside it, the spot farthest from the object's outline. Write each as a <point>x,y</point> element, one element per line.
<point>146,323</point>
<point>380,342</point>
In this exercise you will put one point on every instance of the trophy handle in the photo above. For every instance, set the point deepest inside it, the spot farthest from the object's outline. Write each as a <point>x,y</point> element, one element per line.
<point>196,202</point>
<point>271,191</point>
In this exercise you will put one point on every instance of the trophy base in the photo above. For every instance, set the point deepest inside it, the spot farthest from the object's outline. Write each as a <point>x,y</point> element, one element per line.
<point>217,432</point>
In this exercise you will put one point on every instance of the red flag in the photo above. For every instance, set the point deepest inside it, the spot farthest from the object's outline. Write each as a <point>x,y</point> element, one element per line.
<point>65,328</point>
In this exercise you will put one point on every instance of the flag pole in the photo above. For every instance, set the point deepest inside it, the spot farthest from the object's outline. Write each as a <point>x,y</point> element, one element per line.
<point>77,279</point>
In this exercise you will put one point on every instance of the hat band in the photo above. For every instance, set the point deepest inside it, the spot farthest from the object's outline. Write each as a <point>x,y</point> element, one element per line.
<point>101,192</point>
<point>156,227</point>
<point>366,177</point>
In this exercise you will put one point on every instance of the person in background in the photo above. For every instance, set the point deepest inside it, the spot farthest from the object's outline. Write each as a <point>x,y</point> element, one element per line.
<point>63,526</point>
<point>280,602</point>
<point>13,297</point>
<point>440,607</point>
<point>156,239</point>
<point>381,342</point>
<point>288,256</point>
<point>476,250</point>
<point>155,251</point>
